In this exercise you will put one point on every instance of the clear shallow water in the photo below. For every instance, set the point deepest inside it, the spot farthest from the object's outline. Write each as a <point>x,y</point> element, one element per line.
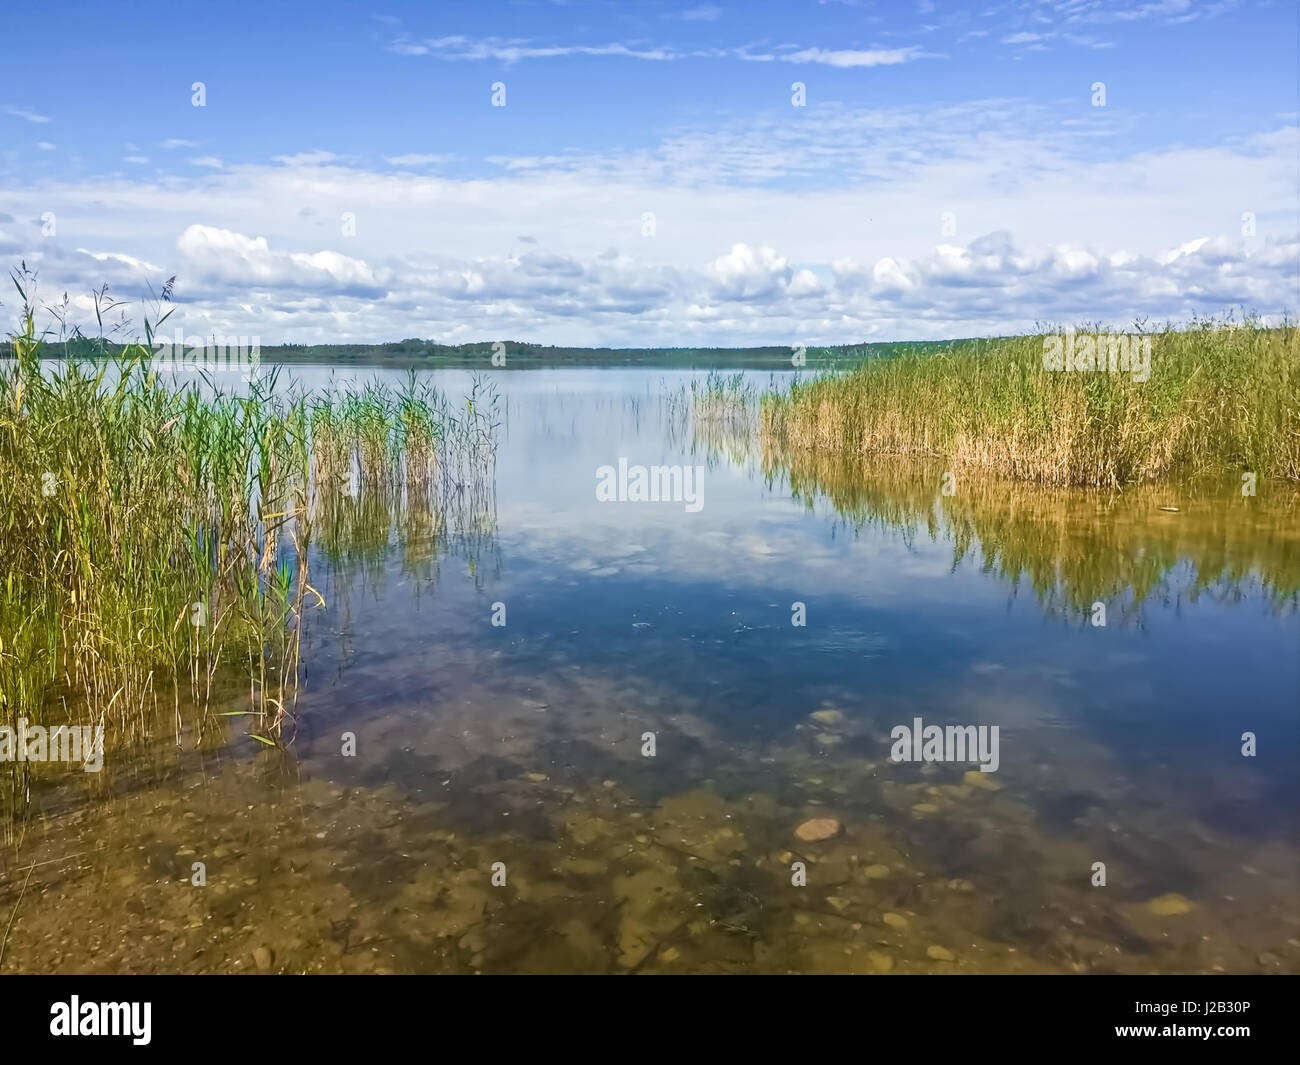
<point>522,744</point>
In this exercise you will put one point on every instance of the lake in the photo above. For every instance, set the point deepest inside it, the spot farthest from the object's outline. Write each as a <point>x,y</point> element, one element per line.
<point>541,732</point>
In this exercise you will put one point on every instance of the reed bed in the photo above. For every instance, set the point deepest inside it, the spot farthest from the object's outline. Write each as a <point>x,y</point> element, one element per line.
<point>1221,397</point>
<point>716,417</point>
<point>155,537</point>
<point>723,398</point>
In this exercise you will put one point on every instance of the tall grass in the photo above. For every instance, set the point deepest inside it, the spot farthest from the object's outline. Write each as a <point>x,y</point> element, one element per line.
<point>154,538</point>
<point>1221,397</point>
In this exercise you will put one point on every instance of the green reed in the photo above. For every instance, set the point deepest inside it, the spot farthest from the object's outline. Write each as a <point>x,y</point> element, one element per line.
<point>155,536</point>
<point>1221,397</point>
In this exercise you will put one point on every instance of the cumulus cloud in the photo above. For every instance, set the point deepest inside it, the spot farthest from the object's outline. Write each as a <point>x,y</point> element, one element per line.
<point>822,227</point>
<point>746,295</point>
<point>746,273</point>
<point>213,254</point>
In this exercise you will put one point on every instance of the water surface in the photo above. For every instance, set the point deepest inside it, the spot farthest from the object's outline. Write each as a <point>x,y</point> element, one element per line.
<point>522,743</point>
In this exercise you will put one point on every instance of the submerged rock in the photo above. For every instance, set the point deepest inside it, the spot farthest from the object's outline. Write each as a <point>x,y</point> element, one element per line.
<point>263,958</point>
<point>829,718</point>
<point>819,828</point>
<point>976,779</point>
<point>1170,905</point>
<point>940,953</point>
<point>876,872</point>
<point>896,921</point>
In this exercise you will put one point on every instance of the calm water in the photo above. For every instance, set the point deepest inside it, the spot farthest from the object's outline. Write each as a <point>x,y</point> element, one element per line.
<point>522,743</point>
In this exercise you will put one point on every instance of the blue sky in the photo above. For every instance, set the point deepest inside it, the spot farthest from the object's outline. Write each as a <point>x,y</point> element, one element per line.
<point>649,180</point>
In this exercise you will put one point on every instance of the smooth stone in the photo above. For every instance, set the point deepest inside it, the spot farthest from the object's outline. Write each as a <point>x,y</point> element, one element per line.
<point>839,903</point>
<point>819,828</point>
<point>897,921</point>
<point>826,739</point>
<point>876,872</point>
<point>882,962</point>
<point>1170,905</point>
<point>925,808</point>
<point>940,954</point>
<point>536,778</point>
<point>829,718</point>
<point>263,958</point>
<point>976,779</point>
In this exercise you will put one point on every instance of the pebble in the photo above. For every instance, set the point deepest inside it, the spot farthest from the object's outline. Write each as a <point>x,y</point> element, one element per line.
<point>876,872</point>
<point>976,779</point>
<point>881,961</point>
<point>940,953</point>
<point>897,921</point>
<point>830,718</point>
<point>819,828</point>
<point>263,958</point>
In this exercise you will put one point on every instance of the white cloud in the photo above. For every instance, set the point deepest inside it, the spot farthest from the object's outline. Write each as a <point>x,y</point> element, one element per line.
<point>746,273</point>
<point>415,159</point>
<point>876,57</point>
<point>888,276</point>
<point>316,158</point>
<point>115,257</point>
<point>23,113</point>
<point>224,255</point>
<point>824,228</point>
<point>513,50</point>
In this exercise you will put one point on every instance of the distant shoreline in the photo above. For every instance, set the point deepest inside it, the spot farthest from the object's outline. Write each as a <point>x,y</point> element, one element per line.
<point>418,355</point>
